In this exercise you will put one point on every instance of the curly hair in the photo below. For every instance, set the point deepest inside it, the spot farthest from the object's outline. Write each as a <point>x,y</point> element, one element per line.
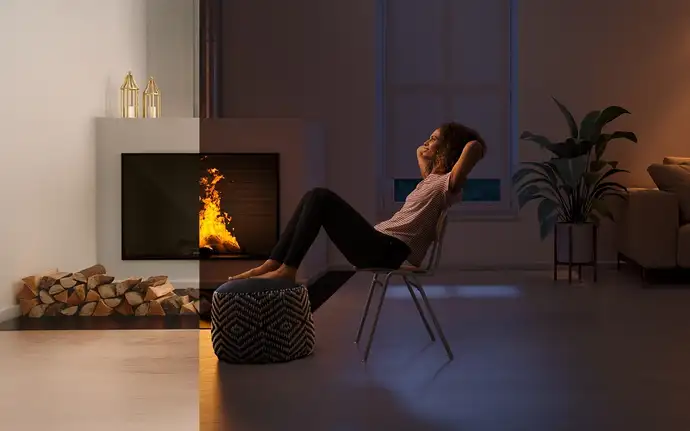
<point>453,138</point>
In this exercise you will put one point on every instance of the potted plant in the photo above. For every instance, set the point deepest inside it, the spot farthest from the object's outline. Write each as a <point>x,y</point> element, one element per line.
<point>573,186</point>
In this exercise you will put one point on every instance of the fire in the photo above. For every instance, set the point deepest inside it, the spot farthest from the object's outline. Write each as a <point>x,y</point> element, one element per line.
<point>213,222</point>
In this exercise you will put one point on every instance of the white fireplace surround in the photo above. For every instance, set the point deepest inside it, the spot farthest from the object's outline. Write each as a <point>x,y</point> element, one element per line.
<point>302,167</point>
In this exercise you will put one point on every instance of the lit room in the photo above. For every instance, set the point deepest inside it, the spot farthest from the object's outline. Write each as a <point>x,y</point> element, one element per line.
<point>430,215</point>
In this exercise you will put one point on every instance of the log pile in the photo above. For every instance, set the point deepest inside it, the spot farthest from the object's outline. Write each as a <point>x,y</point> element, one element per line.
<point>91,292</point>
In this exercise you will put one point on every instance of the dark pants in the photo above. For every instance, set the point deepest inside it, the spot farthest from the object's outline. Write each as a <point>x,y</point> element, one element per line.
<point>355,237</point>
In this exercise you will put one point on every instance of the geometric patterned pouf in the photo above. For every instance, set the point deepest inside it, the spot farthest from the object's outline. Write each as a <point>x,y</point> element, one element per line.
<point>258,321</point>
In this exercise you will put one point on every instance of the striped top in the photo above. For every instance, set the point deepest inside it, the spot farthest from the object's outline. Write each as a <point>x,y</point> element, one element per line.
<point>415,223</point>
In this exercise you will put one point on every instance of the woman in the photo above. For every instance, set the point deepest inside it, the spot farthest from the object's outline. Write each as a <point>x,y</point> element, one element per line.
<point>445,161</point>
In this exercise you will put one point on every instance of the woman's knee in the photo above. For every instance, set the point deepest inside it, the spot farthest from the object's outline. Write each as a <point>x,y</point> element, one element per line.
<point>321,192</point>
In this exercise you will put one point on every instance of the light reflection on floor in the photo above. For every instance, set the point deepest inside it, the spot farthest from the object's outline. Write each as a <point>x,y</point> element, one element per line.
<point>435,291</point>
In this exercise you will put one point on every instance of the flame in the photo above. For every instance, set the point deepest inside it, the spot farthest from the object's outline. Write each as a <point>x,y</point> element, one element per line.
<point>213,222</point>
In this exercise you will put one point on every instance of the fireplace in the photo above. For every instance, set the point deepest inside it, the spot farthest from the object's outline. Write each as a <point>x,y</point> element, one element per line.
<point>199,206</point>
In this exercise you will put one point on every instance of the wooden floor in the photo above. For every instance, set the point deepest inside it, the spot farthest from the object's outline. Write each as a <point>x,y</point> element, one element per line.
<point>99,380</point>
<point>530,355</point>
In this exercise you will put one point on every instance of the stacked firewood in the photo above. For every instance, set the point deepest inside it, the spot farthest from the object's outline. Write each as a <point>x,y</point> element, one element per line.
<point>91,292</point>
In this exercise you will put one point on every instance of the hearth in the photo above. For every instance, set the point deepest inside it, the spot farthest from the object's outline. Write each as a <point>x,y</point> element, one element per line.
<point>199,206</point>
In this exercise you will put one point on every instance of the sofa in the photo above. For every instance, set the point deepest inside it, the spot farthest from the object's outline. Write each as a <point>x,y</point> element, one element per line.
<point>653,225</point>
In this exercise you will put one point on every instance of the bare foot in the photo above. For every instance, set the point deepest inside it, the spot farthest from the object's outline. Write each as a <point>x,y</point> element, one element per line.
<point>284,272</point>
<point>266,267</point>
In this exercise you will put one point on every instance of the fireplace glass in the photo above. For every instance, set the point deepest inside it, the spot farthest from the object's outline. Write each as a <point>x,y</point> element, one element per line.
<point>199,206</point>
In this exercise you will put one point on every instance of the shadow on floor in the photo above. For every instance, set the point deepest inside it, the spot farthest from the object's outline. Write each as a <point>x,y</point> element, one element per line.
<point>270,400</point>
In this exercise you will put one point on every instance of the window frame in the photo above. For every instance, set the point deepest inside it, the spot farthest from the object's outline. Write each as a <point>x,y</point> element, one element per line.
<point>470,211</point>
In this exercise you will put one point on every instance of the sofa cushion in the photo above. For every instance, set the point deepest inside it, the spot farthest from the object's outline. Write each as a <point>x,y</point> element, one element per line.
<point>677,160</point>
<point>674,179</point>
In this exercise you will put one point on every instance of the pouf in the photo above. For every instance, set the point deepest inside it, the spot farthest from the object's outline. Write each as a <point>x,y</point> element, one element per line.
<point>261,321</point>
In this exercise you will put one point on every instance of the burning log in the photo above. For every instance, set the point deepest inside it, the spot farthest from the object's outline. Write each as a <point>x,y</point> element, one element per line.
<point>213,221</point>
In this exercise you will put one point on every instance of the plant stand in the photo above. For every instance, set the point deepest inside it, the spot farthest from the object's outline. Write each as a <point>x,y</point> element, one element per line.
<point>569,262</point>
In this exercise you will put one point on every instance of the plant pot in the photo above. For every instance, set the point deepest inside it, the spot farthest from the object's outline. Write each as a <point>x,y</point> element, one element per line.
<point>578,239</point>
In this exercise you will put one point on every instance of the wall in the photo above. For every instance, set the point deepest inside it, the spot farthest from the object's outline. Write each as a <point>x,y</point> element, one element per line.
<point>317,60</point>
<point>314,60</point>
<point>171,38</point>
<point>67,59</point>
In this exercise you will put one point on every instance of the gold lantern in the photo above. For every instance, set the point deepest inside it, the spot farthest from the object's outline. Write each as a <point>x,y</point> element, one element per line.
<point>129,97</point>
<point>152,100</point>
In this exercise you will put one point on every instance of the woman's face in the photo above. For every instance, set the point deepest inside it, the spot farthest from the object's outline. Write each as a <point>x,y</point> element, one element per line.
<point>431,145</point>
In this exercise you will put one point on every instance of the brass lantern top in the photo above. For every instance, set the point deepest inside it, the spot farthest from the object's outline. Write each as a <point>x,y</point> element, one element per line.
<point>129,83</point>
<point>152,88</point>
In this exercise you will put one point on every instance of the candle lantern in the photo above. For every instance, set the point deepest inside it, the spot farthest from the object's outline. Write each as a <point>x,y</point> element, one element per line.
<point>152,100</point>
<point>129,97</point>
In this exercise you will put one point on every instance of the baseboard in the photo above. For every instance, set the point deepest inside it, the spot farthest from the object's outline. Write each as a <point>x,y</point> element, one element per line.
<point>9,313</point>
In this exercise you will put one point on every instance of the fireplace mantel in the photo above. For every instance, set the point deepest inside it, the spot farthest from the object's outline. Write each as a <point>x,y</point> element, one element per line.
<point>302,166</point>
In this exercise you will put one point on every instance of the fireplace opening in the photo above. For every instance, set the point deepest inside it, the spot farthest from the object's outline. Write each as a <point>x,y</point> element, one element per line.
<point>199,206</point>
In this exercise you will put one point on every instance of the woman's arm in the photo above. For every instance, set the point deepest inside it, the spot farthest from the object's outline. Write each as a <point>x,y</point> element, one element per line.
<point>471,154</point>
<point>422,162</point>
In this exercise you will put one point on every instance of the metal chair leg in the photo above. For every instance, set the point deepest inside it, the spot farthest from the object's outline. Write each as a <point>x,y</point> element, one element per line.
<point>374,282</point>
<point>437,325</point>
<point>420,310</point>
<point>376,316</point>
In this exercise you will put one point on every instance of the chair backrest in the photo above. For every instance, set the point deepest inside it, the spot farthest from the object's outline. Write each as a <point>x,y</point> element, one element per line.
<point>437,245</point>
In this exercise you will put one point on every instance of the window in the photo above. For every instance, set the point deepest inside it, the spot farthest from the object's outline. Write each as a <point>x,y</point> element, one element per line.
<point>443,60</point>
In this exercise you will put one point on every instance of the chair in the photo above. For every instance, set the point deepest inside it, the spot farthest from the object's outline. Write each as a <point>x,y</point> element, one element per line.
<point>410,275</point>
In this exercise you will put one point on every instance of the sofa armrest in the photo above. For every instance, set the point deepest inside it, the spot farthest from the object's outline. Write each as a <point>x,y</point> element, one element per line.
<point>647,228</point>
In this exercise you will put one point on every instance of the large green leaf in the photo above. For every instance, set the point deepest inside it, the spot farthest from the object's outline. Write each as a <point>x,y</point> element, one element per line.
<point>540,182</point>
<point>588,126</point>
<point>570,170</point>
<point>539,139</point>
<point>609,114</point>
<point>602,176</point>
<point>523,173</point>
<point>547,168</point>
<point>599,205</point>
<point>528,194</point>
<point>546,208</point>
<point>630,136</point>
<point>605,138</point>
<point>572,125</point>
<point>546,225</point>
